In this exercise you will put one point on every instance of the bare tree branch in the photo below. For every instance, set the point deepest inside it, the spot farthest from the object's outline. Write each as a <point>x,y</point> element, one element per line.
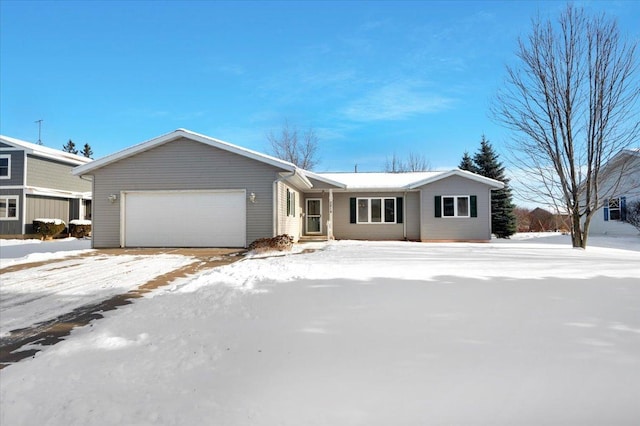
<point>290,146</point>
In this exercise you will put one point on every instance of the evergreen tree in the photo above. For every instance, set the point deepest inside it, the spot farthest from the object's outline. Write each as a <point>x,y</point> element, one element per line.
<point>87,151</point>
<point>503,218</point>
<point>467,163</point>
<point>70,147</point>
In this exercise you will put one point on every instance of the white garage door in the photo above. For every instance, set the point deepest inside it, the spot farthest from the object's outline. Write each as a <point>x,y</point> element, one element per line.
<point>184,219</point>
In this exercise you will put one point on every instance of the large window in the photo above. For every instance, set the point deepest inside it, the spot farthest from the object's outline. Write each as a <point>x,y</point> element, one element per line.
<point>8,207</point>
<point>5,167</point>
<point>456,206</point>
<point>376,210</point>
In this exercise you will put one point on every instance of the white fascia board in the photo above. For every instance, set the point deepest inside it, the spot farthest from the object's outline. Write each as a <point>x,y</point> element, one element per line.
<point>45,151</point>
<point>58,193</point>
<point>324,179</point>
<point>298,179</point>
<point>494,184</point>
<point>187,134</point>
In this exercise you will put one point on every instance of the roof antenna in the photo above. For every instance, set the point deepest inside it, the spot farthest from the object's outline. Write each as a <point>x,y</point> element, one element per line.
<point>39,130</point>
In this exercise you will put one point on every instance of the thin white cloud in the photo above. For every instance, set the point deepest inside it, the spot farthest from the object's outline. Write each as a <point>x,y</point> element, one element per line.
<point>396,101</point>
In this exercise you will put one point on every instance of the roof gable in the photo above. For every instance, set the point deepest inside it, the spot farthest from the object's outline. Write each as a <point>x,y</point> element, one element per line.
<point>45,151</point>
<point>179,134</point>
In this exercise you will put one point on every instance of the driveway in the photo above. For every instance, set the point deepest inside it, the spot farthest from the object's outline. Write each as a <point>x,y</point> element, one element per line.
<point>43,300</point>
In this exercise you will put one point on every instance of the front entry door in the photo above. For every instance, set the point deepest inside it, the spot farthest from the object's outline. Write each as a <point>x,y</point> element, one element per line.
<point>314,216</point>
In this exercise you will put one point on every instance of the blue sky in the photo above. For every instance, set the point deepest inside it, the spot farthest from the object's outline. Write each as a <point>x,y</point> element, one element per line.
<point>372,78</point>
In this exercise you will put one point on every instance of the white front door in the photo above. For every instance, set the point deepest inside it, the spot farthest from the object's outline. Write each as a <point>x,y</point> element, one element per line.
<point>314,215</point>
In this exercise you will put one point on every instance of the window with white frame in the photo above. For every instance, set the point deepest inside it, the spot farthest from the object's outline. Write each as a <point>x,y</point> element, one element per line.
<point>455,206</point>
<point>5,167</point>
<point>291,203</point>
<point>8,207</point>
<point>376,210</point>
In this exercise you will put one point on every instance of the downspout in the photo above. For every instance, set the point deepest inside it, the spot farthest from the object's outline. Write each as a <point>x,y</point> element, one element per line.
<point>275,199</point>
<point>404,215</point>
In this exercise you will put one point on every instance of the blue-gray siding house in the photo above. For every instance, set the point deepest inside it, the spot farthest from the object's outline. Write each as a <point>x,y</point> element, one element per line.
<point>36,182</point>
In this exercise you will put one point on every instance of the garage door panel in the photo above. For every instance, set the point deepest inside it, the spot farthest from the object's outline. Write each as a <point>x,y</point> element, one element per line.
<point>185,219</point>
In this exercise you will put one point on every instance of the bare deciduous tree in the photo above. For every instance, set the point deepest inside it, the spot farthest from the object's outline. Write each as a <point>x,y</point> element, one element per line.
<point>296,148</point>
<point>571,103</point>
<point>414,163</point>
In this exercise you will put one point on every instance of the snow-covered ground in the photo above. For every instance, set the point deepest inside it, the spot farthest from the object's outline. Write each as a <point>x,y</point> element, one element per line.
<point>521,332</point>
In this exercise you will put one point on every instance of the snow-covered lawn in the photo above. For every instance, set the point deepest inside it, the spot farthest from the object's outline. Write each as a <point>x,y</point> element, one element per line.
<point>519,332</point>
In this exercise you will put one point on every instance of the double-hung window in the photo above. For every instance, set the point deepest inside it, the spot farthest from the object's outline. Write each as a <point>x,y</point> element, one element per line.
<point>8,207</point>
<point>5,167</point>
<point>376,210</point>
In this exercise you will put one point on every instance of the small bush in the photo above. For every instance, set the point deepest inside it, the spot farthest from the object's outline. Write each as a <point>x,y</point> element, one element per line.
<point>48,228</point>
<point>282,242</point>
<point>80,228</point>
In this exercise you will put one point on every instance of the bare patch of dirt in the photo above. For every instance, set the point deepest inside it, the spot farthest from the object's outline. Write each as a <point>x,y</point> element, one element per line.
<point>26,342</point>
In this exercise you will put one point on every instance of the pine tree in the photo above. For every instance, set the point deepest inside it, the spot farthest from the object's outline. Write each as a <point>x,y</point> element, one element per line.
<point>70,147</point>
<point>87,151</point>
<point>467,163</point>
<point>503,218</point>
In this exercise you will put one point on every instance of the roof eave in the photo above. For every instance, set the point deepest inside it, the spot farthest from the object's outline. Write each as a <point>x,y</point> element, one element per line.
<point>177,134</point>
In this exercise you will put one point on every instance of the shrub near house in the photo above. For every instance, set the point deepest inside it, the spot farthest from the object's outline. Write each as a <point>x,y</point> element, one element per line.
<point>48,228</point>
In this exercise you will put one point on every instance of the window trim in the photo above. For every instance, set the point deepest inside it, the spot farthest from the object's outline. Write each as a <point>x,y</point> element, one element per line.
<point>455,206</point>
<point>382,211</point>
<point>614,208</point>
<point>8,157</point>
<point>7,198</point>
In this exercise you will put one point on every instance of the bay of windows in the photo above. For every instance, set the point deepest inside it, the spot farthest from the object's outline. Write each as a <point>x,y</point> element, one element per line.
<point>376,210</point>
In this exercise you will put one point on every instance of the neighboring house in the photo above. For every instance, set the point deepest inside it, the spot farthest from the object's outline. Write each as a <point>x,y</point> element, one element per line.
<point>36,182</point>
<point>184,189</point>
<point>619,187</point>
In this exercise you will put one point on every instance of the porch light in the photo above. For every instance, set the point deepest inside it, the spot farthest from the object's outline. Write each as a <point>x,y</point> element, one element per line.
<point>252,197</point>
<point>112,198</point>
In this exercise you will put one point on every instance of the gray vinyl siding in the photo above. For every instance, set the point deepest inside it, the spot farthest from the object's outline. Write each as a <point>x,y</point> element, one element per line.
<point>182,164</point>
<point>46,207</point>
<point>16,168</point>
<point>453,228</point>
<point>343,229</point>
<point>46,173</point>
<point>13,227</point>
<point>412,215</point>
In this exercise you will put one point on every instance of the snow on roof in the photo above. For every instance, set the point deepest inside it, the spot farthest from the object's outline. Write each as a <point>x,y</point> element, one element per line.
<point>375,180</point>
<point>399,181</point>
<point>45,151</point>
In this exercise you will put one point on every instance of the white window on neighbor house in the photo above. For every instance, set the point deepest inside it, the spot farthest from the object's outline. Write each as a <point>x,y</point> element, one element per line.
<point>614,209</point>
<point>5,167</point>
<point>8,207</point>
<point>291,203</point>
<point>376,210</point>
